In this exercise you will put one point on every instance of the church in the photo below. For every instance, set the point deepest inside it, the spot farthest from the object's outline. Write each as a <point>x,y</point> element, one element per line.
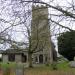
<point>40,33</point>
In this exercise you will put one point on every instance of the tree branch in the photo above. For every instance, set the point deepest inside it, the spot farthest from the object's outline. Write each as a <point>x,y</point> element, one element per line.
<point>66,13</point>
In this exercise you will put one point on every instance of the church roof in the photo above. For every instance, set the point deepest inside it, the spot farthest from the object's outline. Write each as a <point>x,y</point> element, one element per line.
<point>15,51</point>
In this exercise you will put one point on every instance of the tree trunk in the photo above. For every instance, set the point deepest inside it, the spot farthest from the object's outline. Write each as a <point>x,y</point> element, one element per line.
<point>30,59</point>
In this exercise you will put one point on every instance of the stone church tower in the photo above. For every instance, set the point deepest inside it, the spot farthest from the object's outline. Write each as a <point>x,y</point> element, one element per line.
<point>40,35</point>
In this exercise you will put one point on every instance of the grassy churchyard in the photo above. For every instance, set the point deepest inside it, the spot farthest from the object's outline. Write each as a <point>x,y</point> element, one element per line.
<point>61,68</point>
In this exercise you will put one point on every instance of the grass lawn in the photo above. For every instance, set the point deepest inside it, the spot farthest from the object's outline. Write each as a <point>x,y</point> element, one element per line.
<point>63,66</point>
<point>47,71</point>
<point>7,65</point>
<point>62,69</point>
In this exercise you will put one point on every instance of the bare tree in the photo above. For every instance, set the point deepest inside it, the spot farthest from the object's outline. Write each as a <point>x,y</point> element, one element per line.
<point>15,18</point>
<point>63,13</point>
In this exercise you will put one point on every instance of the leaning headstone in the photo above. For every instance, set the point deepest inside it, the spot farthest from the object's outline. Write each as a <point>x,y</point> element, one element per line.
<point>72,64</point>
<point>19,70</point>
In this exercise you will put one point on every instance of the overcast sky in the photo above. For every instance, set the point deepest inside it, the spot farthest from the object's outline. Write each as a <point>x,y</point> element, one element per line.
<point>6,14</point>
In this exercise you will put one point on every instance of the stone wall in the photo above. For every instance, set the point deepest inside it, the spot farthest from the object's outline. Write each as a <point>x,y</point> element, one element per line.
<point>18,58</point>
<point>5,58</point>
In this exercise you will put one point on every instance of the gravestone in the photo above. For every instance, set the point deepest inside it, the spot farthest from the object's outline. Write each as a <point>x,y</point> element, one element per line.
<point>72,64</point>
<point>19,70</point>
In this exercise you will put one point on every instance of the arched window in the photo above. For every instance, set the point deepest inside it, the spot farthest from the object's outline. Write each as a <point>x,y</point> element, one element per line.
<point>40,58</point>
<point>11,57</point>
<point>24,58</point>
